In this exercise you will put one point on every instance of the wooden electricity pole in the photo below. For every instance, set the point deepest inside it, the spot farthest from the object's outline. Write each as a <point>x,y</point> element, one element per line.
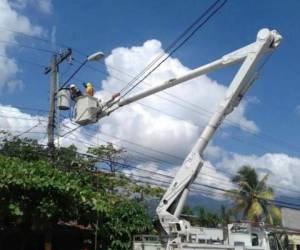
<point>53,69</point>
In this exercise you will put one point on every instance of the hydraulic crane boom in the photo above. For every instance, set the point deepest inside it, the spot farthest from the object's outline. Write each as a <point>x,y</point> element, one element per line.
<point>172,202</point>
<point>171,205</point>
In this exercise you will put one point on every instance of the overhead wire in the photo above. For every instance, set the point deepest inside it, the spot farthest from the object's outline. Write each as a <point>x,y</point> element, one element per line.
<point>275,201</point>
<point>280,142</point>
<point>31,36</point>
<point>25,61</point>
<point>21,118</point>
<point>232,174</point>
<point>177,40</point>
<point>26,46</point>
<point>174,50</point>
<point>29,129</point>
<point>162,161</point>
<point>204,112</point>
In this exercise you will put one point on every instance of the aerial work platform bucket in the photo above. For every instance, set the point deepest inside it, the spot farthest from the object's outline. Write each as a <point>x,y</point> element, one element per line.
<point>86,109</point>
<point>63,99</point>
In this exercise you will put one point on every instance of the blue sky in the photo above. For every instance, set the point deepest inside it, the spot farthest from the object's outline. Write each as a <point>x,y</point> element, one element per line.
<point>92,25</point>
<point>104,25</point>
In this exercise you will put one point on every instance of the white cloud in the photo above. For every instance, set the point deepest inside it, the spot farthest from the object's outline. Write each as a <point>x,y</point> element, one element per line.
<point>151,128</point>
<point>17,122</point>
<point>283,170</point>
<point>163,133</point>
<point>12,20</point>
<point>152,174</point>
<point>44,6</point>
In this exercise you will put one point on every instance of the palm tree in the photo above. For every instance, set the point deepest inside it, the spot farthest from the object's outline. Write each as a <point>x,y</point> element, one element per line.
<point>252,198</point>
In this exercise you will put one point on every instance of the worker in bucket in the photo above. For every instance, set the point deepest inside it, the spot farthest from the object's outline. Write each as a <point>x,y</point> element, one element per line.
<point>75,92</point>
<point>88,89</point>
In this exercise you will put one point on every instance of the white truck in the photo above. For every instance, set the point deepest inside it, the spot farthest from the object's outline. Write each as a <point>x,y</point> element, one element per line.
<point>179,234</point>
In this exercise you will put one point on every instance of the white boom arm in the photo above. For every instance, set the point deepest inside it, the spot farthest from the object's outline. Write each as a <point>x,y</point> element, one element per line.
<point>227,60</point>
<point>172,202</point>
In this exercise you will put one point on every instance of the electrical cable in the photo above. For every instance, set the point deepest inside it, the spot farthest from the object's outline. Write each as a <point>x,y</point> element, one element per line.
<point>219,188</point>
<point>27,46</point>
<point>25,61</point>
<point>225,172</point>
<point>28,130</point>
<point>221,171</point>
<point>174,50</point>
<point>190,27</point>
<point>275,201</point>
<point>31,36</point>
<point>206,113</point>
<point>21,118</point>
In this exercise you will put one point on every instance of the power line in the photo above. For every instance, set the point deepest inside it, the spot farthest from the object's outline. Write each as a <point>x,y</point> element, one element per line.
<point>32,37</point>
<point>275,201</point>
<point>29,130</point>
<point>210,175</point>
<point>33,63</point>
<point>181,43</point>
<point>206,113</point>
<point>26,46</point>
<point>148,157</point>
<point>203,174</point>
<point>163,161</point>
<point>246,129</point>
<point>156,151</point>
<point>178,39</point>
<point>22,118</point>
<point>222,171</point>
<point>280,142</point>
<point>25,61</point>
<point>20,131</point>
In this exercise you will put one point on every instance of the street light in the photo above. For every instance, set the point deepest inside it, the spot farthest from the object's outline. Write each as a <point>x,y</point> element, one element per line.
<point>96,56</point>
<point>91,58</point>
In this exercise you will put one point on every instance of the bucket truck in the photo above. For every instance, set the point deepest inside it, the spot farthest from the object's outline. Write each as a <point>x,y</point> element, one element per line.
<point>180,235</point>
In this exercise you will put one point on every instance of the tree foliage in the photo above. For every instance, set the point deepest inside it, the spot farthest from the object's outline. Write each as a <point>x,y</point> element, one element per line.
<point>36,194</point>
<point>253,196</point>
<point>202,216</point>
<point>113,157</point>
<point>206,218</point>
<point>126,219</point>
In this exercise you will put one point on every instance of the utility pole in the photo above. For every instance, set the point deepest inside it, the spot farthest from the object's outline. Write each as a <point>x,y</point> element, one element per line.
<point>53,69</point>
<point>52,109</point>
<point>56,59</point>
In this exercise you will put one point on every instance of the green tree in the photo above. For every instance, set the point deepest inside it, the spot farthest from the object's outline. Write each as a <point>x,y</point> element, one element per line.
<point>206,218</point>
<point>124,220</point>
<point>110,155</point>
<point>35,195</point>
<point>188,214</point>
<point>252,198</point>
<point>27,149</point>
